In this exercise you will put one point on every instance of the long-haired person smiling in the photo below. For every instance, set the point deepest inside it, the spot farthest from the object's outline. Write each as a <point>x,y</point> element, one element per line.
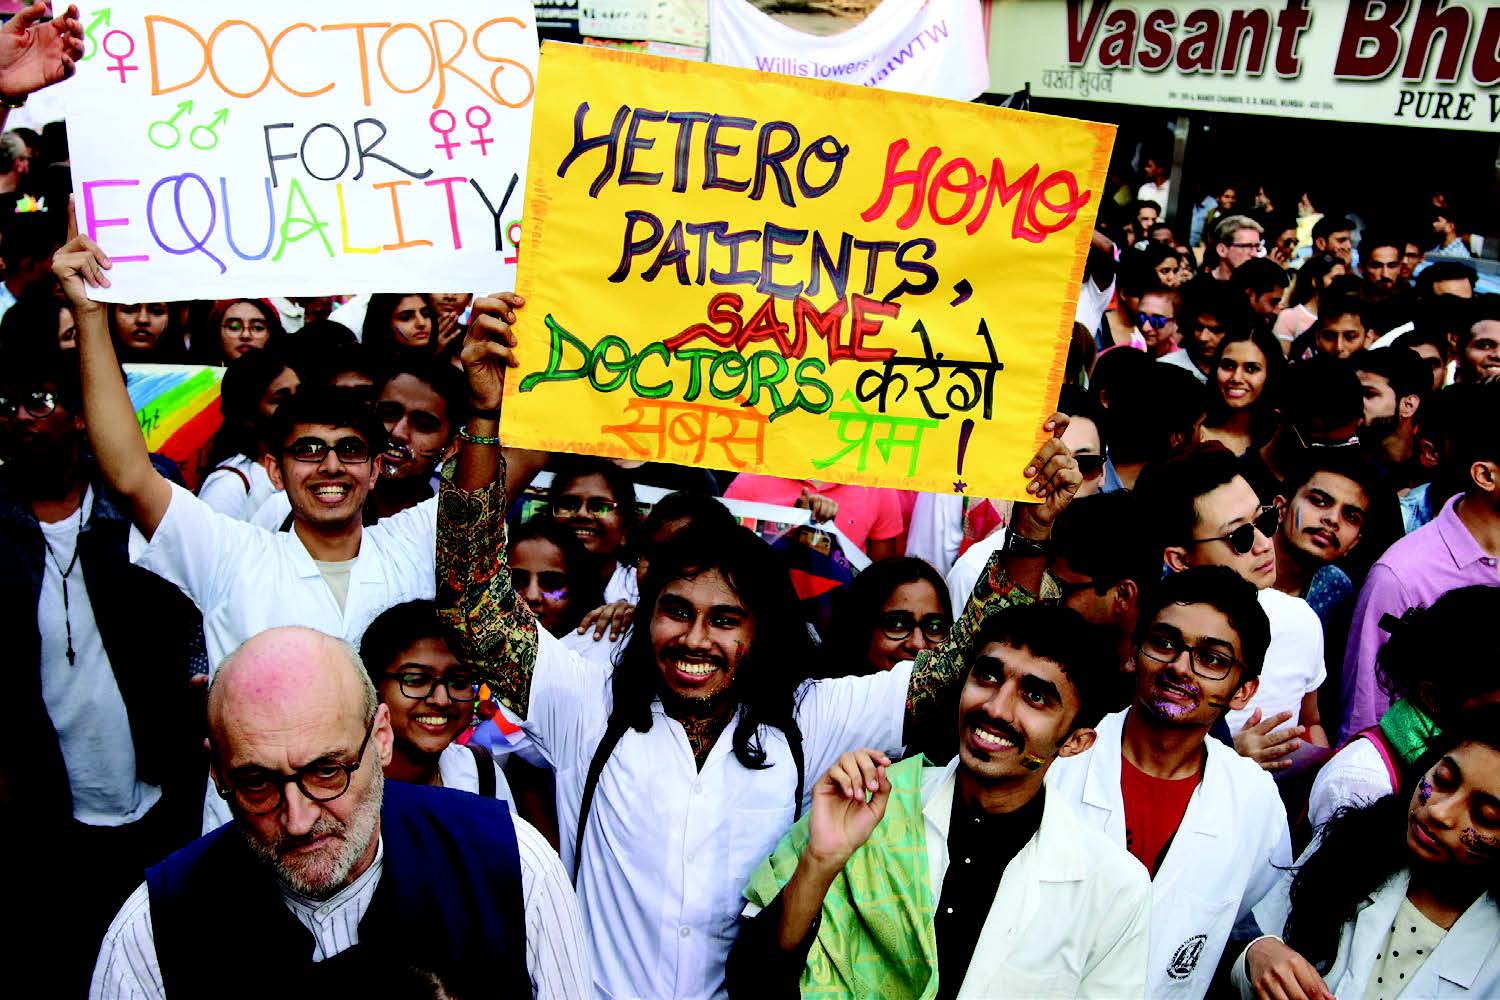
<point>1397,898</point>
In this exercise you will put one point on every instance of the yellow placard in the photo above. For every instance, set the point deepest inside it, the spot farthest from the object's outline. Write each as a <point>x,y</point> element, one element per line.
<point>739,270</point>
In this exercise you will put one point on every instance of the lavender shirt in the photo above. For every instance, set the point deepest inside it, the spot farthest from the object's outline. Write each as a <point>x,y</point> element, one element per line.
<point>1438,557</point>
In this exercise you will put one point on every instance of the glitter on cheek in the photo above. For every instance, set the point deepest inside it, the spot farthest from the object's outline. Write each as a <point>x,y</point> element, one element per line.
<point>1424,791</point>
<point>1479,844</point>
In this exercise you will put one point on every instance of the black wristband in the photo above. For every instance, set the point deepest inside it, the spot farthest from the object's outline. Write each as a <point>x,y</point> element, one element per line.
<point>485,414</point>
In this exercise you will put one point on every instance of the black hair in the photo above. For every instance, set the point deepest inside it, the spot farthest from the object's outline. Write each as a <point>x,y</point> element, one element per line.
<point>856,611</point>
<point>1444,270</point>
<point>568,469</point>
<point>1135,208</point>
<point>332,407</point>
<point>1153,412</point>
<point>1077,403</point>
<point>1430,655</point>
<point>1207,296</point>
<point>771,673</point>
<point>1322,391</point>
<point>1426,334</point>
<point>1169,489</point>
<point>683,505</point>
<point>393,630</point>
<point>1372,241</point>
<point>1474,434</point>
<point>1308,283</point>
<point>30,236</point>
<point>377,333</point>
<point>1407,373</point>
<point>1382,523</point>
<point>245,382</point>
<point>1451,214</point>
<point>1259,275</point>
<point>1342,303</point>
<point>1099,536</point>
<point>33,319</point>
<point>1263,412</point>
<point>324,333</point>
<point>1361,847</point>
<point>1084,651</point>
<point>439,376</point>
<point>1134,276</point>
<point>320,364</point>
<point>1330,224</point>
<point>25,366</point>
<point>1115,369</point>
<point>585,590</point>
<point>1155,252</point>
<point>1224,590</point>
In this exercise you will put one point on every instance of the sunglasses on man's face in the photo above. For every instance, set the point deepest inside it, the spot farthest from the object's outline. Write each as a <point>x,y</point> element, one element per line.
<point>1090,466</point>
<point>39,404</point>
<point>350,450</point>
<point>1242,539</point>
<point>1154,320</point>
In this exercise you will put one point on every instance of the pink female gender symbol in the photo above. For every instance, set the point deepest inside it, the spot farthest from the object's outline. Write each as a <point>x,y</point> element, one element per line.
<point>447,145</point>
<point>119,57</point>
<point>479,127</point>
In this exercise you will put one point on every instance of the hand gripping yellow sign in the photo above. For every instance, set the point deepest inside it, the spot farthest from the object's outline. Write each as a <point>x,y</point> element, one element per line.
<point>745,271</point>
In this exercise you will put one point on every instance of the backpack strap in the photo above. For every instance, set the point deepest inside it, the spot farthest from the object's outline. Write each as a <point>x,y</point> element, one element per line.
<point>244,479</point>
<point>1392,765</point>
<point>484,761</point>
<point>612,735</point>
<point>794,741</point>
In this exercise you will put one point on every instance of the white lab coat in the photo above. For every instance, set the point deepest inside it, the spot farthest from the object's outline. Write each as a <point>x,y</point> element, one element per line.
<point>1466,963</point>
<point>1227,854</point>
<point>1071,916</point>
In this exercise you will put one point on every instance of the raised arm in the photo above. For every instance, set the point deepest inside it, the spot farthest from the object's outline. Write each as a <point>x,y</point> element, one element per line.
<point>491,629</point>
<point>1014,575</point>
<point>114,433</point>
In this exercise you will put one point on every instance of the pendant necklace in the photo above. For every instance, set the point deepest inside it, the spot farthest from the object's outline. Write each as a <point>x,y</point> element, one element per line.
<point>65,573</point>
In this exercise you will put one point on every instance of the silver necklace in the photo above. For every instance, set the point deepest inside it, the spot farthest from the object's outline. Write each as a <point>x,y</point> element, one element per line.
<point>65,573</point>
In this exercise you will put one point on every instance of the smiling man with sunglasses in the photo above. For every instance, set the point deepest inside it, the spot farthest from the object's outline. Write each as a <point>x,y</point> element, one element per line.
<point>1207,823</point>
<point>1207,514</point>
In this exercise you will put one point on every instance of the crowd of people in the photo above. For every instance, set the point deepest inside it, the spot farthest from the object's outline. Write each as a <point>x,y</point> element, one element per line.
<point>382,703</point>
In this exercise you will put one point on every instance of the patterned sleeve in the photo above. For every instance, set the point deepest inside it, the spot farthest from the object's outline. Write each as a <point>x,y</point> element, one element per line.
<point>491,629</point>
<point>938,669</point>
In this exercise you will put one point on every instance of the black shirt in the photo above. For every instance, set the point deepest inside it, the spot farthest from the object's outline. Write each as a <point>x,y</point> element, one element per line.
<point>980,846</point>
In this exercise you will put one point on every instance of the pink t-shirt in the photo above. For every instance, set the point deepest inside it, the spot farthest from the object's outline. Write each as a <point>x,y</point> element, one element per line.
<point>865,512</point>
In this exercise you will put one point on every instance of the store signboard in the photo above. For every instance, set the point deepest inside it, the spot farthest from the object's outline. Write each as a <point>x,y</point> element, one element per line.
<point>1420,63</point>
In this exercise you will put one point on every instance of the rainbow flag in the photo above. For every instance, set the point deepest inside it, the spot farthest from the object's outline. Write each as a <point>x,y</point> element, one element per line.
<point>177,407</point>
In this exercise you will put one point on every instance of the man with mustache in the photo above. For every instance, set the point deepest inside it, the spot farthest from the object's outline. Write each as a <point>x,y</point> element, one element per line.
<point>969,878</point>
<point>680,769</point>
<point>422,404</point>
<point>1395,382</point>
<point>1207,823</point>
<point>326,859</point>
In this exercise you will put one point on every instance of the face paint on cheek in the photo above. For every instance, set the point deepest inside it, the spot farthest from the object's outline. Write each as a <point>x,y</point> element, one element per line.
<point>555,596</point>
<point>1481,845</point>
<point>1424,791</point>
<point>1031,761</point>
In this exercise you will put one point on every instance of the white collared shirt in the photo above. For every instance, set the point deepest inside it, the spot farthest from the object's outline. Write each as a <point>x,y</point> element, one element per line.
<point>1466,963</point>
<point>557,958</point>
<point>669,848</point>
<point>1071,915</point>
<point>246,579</point>
<point>1225,857</point>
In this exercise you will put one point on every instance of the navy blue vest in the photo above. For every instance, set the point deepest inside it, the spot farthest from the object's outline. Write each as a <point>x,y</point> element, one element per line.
<point>448,905</point>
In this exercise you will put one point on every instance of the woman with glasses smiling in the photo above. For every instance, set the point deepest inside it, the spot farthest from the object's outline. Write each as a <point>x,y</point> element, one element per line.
<point>894,609</point>
<point>431,702</point>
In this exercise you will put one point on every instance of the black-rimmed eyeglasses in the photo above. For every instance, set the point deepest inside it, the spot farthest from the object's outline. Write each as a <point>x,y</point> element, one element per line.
<point>1209,661</point>
<point>259,792</point>
<point>39,404</point>
<point>898,625</point>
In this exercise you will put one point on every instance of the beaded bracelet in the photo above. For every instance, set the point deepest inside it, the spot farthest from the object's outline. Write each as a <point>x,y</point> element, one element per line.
<point>464,435</point>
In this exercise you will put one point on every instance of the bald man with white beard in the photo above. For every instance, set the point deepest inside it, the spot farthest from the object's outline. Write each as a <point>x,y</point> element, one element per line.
<point>329,879</point>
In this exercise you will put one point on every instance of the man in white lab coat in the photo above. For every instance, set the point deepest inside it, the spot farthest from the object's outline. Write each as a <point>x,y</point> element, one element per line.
<point>967,879</point>
<point>1207,823</point>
